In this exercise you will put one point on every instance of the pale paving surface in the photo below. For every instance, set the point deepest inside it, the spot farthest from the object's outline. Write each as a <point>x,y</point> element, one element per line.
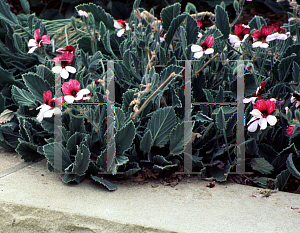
<point>35,200</point>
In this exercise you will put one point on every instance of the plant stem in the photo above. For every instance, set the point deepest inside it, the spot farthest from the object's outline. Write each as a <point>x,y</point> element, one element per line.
<point>225,138</point>
<point>206,64</point>
<point>171,76</point>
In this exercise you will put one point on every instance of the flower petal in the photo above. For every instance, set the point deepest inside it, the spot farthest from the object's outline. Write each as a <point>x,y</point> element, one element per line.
<point>37,34</point>
<point>198,54</point>
<point>253,126</point>
<point>56,69</point>
<point>71,69</point>
<point>270,105</point>
<point>69,99</point>
<point>64,74</point>
<point>264,45</point>
<point>272,37</point>
<point>120,32</point>
<point>263,123</point>
<point>46,39</point>
<point>271,119</point>
<point>117,25</point>
<point>32,49</point>
<point>256,44</point>
<point>209,51</point>
<point>196,48</point>
<point>256,113</point>
<point>32,43</point>
<point>233,39</point>
<point>49,113</point>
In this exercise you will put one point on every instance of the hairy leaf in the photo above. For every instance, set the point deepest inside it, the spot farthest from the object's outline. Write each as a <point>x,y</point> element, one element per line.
<point>110,186</point>
<point>179,137</point>
<point>168,14</point>
<point>146,142</point>
<point>291,167</point>
<point>23,97</point>
<point>162,122</point>
<point>82,160</point>
<point>221,21</point>
<point>282,178</point>
<point>261,165</point>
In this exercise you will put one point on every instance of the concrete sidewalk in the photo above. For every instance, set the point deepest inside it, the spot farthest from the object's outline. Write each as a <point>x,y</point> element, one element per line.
<point>32,199</point>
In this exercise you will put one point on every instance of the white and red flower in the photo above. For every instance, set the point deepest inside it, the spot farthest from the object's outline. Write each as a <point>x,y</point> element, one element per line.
<point>62,62</point>
<point>296,97</point>
<point>83,13</point>
<point>122,26</point>
<point>72,91</point>
<point>257,94</point>
<point>204,48</point>
<point>50,106</point>
<point>261,115</point>
<point>199,23</point>
<point>241,33</point>
<point>69,48</point>
<point>260,37</point>
<point>38,42</point>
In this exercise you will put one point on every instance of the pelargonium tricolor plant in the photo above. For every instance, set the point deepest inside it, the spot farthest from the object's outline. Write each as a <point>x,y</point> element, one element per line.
<point>127,78</point>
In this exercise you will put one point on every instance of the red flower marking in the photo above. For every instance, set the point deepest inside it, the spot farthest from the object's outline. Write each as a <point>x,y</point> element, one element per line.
<point>199,23</point>
<point>65,58</point>
<point>209,41</point>
<point>45,39</point>
<point>240,31</point>
<point>262,34</point>
<point>71,88</point>
<point>47,97</point>
<point>265,107</point>
<point>290,129</point>
<point>69,48</point>
<point>122,22</point>
<point>276,28</point>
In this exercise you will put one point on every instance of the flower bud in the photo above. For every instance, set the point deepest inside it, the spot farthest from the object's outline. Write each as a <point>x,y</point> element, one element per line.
<point>91,18</point>
<point>236,6</point>
<point>280,103</point>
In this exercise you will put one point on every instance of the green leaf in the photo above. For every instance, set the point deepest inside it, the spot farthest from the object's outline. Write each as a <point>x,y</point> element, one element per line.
<point>219,174</point>
<point>177,141</point>
<point>127,97</point>
<point>23,97</point>
<point>282,178</point>
<point>101,160</point>
<point>221,21</point>
<point>74,141</point>
<point>162,122</point>
<point>220,95</point>
<point>119,118</point>
<point>168,14</point>
<point>110,186</point>
<point>145,145</point>
<point>36,85</point>
<point>291,167</point>
<point>261,165</point>
<point>6,77</point>
<point>25,129</point>
<point>99,14</point>
<point>6,15</point>
<point>25,6</point>
<point>220,119</point>
<point>208,95</point>
<point>82,160</point>
<point>28,151</point>
<point>46,74</point>
<point>175,24</point>
<point>160,163</point>
<point>48,151</point>
<point>257,22</point>
<point>72,177</point>
<point>131,169</point>
<point>191,30</point>
<point>124,138</point>
<point>2,107</point>
<point>284,67</point>
<point>202,118</point>
<point>296,72</point>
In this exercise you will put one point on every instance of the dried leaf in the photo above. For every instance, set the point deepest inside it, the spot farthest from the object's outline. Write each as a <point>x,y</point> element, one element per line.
<point>6,116</point>
<point>210,185</point>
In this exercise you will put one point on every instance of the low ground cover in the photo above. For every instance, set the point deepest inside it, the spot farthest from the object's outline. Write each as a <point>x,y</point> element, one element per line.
<point>143,95</point>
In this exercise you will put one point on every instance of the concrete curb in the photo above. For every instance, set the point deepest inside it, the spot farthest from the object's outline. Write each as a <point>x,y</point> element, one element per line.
<point>33,199</point>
